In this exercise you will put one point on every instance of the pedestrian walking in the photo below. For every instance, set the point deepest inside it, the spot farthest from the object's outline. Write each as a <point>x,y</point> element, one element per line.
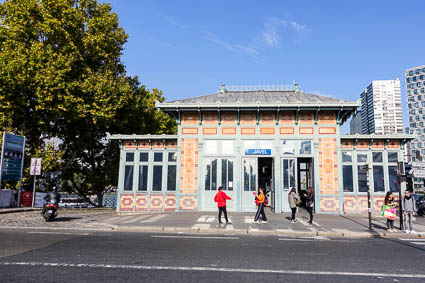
<point>309,203</point>
<point>389,203</point>
<point>293,198</point>
<point>409,210</point>
<point>220,199</point>
<point>260,210</point>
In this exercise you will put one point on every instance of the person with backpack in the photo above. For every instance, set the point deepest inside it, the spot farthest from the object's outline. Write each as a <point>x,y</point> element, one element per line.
<point>409,209</point>
<point>220,199</point>
<point>293,198</point>
<point>260,210</point>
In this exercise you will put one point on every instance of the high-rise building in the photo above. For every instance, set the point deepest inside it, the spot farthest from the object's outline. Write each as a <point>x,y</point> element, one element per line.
<point>356,123</point>
<point>415,92</point>
<point>381,109</point>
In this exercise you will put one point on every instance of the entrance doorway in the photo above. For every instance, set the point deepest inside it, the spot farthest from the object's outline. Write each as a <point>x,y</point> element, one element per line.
<point>305,176</point>
<point>257,172</point>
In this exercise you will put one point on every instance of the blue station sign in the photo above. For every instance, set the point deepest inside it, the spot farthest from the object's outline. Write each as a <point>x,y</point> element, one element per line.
<point>258,151</point>
<point>12,155</point>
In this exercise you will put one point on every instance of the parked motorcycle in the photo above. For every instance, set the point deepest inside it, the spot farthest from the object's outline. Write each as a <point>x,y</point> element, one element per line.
<point>421,209</point>
<point>50,209</point>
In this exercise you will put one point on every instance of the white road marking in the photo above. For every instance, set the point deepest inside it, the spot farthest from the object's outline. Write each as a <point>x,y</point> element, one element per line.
<point>303,222</point>
<point>209,269</point>
<point>416,240</point>
<point>154,218</point>
<point>248,219</point>
<point>195,237</point>
<point>119,219</point>
<point>202,218</point>
<point>201,225</point>
<point>58,233</point>
<point>419,243</point>
<point>135,219</point>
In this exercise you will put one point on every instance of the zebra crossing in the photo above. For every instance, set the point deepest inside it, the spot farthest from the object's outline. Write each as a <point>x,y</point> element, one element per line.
<point>134,219</point>
<point>418,242</point>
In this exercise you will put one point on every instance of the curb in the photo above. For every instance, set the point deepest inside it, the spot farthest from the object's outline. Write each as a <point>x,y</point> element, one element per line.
<point>15,210</point>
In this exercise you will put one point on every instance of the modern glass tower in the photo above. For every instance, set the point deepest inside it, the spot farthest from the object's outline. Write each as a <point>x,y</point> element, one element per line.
<point>381,109</point>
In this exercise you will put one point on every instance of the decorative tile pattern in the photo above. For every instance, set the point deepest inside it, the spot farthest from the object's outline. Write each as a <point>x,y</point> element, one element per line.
<point>229,118</point>
<point>209,131</point>
<point>362,204</point>
<point>267,117</point>
<point>362,144</point>
<point>306,130</point>
<point>349,204</point>
<point>172,144</point>
<point>329,204</point>
<point>228,131</point>
<point>286,117</point>
<point>210,118</point>
<point>144,144</point>
<point>378,202</point>
<point>327,117</point>
<point>248,118</point>
<point>393,144</point>
<point>170,203</point>
<point>327,130</point>
<point>347,144</point>
<point>156,202</point>
<point>377,144</point>
<point>190,118</point>
<point>129,144</point>
<point>189,166</point>
<point>189,131</point>
<point>287,130</point>
<point>267,131</point>
<point>126,202</point>
<point>188,202</point>
<point>247,131</point>
<point>328,166</point>
<point>142,202</point>
<point>305,117</point>
<point>157,144</point>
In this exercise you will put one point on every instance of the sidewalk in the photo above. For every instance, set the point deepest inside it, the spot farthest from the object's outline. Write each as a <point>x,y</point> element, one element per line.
<point>17,209</point>
<point>242,223</point>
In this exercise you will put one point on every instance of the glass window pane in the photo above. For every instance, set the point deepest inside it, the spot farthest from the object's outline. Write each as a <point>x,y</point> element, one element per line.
<point>362,179</point>
<point>246,175</point>
<point>157,157</point>
<point>157,178</point>
<point>172,156</point>
<point>265,144</point>
<point>211,147</point>
<point>378,178</point>
<point>227,147</point>
<point>214,175</point>
<point>305,147</point>
<point>208,176</point>
<point>253,180</point>
<point>129,156</point>
<point>224,173</point>
<point>285,174</point>
<point>230,175</point>
<point>128,178</point>
<point>143,178</point>
<point>346,156</point>
<point>377,156</point>
<point>292,173</point>
<point>171,178</point>
<point>144,157</point>
<point>361,157</point>
<point>392,156</point>
<point>392,174</point>
<point>288,146</point>
<point>347,173</point>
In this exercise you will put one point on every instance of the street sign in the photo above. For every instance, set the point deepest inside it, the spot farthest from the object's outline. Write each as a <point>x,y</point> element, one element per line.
<point>400,168</point>
<point>35,166</point>
<point>12,157</point>
<point>419,173</point>
<point>418,164</point>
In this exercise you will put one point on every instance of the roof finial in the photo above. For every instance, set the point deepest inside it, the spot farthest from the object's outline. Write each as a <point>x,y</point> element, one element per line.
<point>296,87</point>
<point>223,88</point>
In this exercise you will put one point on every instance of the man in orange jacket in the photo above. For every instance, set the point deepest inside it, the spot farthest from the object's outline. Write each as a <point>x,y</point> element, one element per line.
<point>220,199</point>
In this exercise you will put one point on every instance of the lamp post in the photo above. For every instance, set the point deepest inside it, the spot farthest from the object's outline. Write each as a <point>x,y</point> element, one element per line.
<point>369,206</point>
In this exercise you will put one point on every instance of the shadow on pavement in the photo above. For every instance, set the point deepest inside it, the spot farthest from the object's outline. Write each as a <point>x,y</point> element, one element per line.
<point>65,219</point>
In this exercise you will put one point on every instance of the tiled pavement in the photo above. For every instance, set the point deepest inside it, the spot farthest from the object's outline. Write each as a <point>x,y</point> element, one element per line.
<point>206,222</point>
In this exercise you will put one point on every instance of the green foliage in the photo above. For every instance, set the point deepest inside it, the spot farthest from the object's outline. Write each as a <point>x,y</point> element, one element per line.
<point>61,76</point>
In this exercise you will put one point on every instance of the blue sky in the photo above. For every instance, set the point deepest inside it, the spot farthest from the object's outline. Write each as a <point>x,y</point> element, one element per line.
<point>334,48</point>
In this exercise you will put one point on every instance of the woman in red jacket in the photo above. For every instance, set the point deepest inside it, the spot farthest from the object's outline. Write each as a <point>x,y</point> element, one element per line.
<point>220,199</point>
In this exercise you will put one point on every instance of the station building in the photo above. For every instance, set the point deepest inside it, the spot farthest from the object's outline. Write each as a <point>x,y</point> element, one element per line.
<point>244,138</point>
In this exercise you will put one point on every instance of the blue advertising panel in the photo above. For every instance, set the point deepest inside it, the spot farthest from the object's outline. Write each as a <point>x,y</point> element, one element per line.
<point>258,151</point>
<point>11,159</point>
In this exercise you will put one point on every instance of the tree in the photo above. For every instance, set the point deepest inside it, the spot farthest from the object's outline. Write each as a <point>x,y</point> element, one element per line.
<point>61,76</point>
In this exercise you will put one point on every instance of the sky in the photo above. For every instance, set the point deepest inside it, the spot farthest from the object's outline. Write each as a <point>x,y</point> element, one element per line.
<point>333,48</point>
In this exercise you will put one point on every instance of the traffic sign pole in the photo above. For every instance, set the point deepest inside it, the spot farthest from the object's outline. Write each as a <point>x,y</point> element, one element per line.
<point>22,169</point>
<point>33,190</point>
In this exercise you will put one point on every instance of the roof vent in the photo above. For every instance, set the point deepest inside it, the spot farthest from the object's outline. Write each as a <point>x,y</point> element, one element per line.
<point>223,88</point>
<point>297,87</point>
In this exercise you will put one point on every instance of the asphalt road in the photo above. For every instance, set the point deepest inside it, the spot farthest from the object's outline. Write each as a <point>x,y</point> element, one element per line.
<point>84,256</point>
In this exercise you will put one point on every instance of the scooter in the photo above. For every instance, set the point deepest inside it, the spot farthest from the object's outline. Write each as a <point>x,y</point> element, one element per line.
<point>50,210</point>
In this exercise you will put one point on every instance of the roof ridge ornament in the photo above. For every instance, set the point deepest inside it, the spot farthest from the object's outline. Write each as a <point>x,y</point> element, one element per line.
<point>265,88</point>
